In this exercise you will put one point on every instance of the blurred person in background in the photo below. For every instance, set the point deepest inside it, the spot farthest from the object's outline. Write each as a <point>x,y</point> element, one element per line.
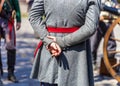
<point>104,23</point>
<point>1,4</point>
<point>10,10</point>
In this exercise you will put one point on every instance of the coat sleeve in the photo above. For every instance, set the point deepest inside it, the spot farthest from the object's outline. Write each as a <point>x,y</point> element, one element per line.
<point>36,14</point>
<point>86,30</point>
<point>17,9</point>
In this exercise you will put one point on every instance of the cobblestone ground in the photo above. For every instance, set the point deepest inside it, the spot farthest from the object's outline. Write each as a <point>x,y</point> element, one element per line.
<point>26,43</point>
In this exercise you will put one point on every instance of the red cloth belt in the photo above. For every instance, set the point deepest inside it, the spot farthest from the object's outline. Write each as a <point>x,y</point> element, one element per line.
<point>56,30</point>
<point>38,46</point>
<point>62,30</point>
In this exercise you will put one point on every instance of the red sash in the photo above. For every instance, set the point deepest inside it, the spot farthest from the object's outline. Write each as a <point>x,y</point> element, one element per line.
<point>56,30</point>
<point>62,30</point>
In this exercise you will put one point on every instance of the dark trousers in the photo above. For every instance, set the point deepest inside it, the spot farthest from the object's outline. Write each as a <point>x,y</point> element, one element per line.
<point>11,58</point>
<point>97,37</point>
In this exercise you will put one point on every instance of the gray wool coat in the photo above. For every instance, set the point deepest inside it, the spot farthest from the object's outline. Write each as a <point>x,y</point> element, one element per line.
<point>73,67</point>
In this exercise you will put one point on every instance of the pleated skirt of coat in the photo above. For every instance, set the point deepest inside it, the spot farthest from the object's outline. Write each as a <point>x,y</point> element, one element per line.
<point>72,68</point>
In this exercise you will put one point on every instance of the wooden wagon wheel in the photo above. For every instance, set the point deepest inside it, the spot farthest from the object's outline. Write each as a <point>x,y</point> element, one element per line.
<point>111,68</point>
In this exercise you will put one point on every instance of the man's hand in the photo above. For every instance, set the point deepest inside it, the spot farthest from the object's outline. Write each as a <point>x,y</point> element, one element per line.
<point>18,25</point>
<point>53,47</point>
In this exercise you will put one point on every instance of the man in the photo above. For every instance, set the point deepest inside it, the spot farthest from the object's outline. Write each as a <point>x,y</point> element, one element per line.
<point>64,59</point>
<point>10,10</point>
<point>101,31</point>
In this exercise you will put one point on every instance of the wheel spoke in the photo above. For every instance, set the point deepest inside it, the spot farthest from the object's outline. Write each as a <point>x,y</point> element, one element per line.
<point>118,64</point>
<point>112,51</point>
<point>115,39</point>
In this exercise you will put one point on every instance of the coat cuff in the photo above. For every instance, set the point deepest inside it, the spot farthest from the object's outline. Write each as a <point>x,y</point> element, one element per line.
<point>60,42</point>
<point>47,41</point>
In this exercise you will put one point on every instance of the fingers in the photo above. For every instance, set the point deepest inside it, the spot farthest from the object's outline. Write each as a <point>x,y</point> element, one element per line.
<point>18,25</point>
<point>54,49</point>
<point>52,37</point>
<point>57,51</point>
